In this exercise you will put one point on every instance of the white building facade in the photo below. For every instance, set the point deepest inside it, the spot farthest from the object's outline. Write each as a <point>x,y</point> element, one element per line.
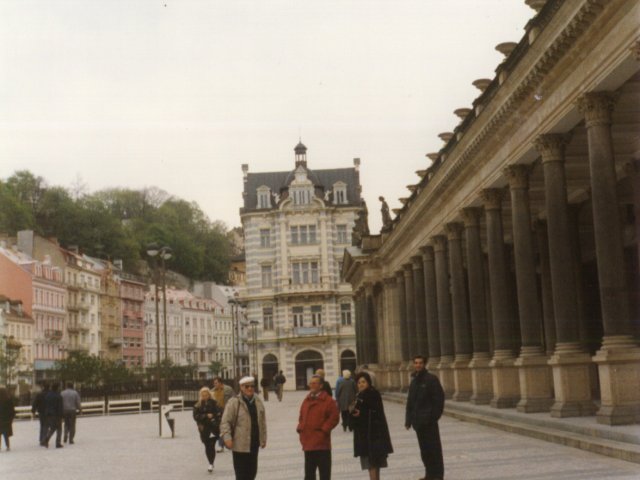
<point>297,225</point>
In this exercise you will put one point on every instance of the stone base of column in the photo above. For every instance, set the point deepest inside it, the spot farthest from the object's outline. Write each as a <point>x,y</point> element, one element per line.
<point>571,381</point>
<point>432,364</point>
<point>481,379</point>
<point>444,371</point>
<point>404,371</point>
<point>462,379</point>
<point>506,384</point>
<point>535,381</point>
<point>619,366</point>
<point>393,375</point>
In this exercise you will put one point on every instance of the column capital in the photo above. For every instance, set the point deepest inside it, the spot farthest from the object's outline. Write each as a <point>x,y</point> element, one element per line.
<point>389,280</point>
<point>551,146</point>
<point>471,216</point>
<point>597,107</point>
<point>400,275</point>
<point>518,175</point>
<point>416,262</point>
<point>427,253</point>
<point>408,268</point>
<point>454,230</point>
<point>492,198</point>
<point>439,243</point>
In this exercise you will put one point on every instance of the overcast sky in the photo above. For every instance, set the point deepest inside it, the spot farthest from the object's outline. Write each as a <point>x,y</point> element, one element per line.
<point>178,94</point>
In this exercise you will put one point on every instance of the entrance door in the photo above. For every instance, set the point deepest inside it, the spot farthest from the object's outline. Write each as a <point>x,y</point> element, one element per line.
<point>307,362</point>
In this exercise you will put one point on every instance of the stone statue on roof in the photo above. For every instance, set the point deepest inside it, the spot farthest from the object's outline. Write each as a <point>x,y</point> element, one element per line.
<point>361,227</point>
<point>386,217</point>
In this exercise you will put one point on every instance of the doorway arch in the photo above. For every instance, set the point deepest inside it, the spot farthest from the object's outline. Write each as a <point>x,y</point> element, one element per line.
<point>269,366</point>
<point>348,361</point>
<point>307,362</point>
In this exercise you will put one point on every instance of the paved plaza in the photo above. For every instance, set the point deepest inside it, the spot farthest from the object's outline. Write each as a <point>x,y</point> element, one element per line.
<point>126,447</point>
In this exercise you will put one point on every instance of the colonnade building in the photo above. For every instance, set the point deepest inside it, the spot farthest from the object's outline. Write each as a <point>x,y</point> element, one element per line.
<point>513,263</point>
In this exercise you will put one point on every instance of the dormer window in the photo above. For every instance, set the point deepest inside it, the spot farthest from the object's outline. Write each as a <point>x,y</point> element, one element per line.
<point>340,193</point>
<point>301,189</point>
<point>264,197</point>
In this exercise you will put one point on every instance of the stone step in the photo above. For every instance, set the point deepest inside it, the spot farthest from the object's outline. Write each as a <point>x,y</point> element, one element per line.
<point>621,442</point>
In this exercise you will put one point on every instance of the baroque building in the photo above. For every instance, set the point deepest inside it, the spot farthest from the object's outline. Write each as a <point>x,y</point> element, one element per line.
<point>513,263</point>
<point>297,224</point>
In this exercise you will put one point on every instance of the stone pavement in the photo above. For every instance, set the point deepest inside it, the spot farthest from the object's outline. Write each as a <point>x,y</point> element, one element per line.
<point>126,447</point>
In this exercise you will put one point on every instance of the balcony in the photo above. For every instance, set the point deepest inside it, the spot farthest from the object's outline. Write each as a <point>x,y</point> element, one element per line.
<point>190,347</point>
<point>115,342</point>
<point>77,327</point>
<point>53,335</point>
<point>13,344</point>
<point>304,289</point>
<point>81,306</point>
<point>211,348</point>
<point>78,348</point>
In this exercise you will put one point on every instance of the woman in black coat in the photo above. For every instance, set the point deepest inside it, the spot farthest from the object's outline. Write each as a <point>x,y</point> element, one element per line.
<point>371,440</point>
<point>7,413</point>
<point>207,415</point>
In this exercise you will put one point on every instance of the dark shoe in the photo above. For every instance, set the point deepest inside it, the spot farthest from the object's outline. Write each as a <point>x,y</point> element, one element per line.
<point>59,446</point>
<point>71,442</point>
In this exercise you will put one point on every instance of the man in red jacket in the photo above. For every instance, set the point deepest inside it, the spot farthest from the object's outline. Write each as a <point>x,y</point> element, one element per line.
<point>318,416</point>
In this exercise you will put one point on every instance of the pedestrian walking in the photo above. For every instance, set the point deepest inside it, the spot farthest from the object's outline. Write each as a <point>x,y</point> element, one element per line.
<point>244,429</point>
<point>425,403</point>
<point>279,380</point>
<point>325,384</point>
<point>221,393</point>
<point>371,440</point>
<point>207,415</point>
<point>53,415</point>
<point>71,406</point>
<point>7,414</point>
<point>265,383</point>
<point>345,396</point>
<point>37,408</point>
<point>318,416</point>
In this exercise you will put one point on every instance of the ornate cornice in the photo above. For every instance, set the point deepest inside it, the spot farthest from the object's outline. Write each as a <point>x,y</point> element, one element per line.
<point>518,175</point>
<point>492,198</point>
<point>389,280</point>
<point>416,262</point>
<point>597,107</point>
<point>635,49</point>
<point>551,146</point>
<point>427,253</point>
<point>439,243</point>
<point>471,216</point>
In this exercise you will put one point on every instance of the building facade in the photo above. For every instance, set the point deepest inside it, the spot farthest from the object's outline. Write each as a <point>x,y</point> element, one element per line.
<point>132,291</point>
<point>513,263</point>
<point>16,342</point>
<point>297,224</point>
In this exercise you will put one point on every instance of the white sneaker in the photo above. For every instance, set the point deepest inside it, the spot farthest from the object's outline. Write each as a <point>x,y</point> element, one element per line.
<point>220,450</point>
<point>210,469</point>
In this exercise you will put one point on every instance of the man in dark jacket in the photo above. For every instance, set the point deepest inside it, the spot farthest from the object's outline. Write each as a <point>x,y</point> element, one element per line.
<point>38,408</point>
<point>53,415</point>
<point>425,404</point>
<point>318,416</point>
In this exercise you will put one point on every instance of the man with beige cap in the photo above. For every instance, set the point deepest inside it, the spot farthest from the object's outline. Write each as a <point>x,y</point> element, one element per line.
<point>244,429</point>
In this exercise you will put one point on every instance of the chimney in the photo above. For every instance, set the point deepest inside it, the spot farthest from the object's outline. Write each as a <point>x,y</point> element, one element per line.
<point>245,171</point>
<point>74,249</point>
<point>356,163</point>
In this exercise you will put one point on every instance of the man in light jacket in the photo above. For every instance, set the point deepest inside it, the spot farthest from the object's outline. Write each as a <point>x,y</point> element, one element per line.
<point>244,429</point>
<point>318,416</point>
<point>71,405</point>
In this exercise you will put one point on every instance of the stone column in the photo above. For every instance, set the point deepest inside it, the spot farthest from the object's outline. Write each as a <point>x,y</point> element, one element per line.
<point>411,310</point>
<point>481,379</point>
<point>534,372</point>
<point>418,295</point>
<point>570,363</point>
<point>545,290</point>
<point>359,314</point>
<point>371,337</point>
<point>619,357</point>
<point>506,389</point>
<point>404,329</point>
<point>460,311</point>
<point>431,307</point>
<point>445,317</point>
<point>393,334</point>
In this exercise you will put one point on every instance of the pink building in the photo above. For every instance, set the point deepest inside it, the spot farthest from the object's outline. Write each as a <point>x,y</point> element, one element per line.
<point>132,290</point>
<point>40,287</point>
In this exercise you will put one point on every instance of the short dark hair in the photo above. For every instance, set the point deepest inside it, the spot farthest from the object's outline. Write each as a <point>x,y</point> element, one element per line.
<point>218,379</point>
<point>55,386</point>
<point>366,377</point>
<point>69,384</point>
<point>421,357</point>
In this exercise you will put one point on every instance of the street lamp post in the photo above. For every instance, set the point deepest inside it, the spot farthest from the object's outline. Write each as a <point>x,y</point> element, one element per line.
<point>165,254</point>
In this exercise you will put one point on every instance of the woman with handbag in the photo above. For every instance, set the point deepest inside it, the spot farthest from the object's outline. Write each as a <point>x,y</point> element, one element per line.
<point>207,415</point>
<point>371,440</point>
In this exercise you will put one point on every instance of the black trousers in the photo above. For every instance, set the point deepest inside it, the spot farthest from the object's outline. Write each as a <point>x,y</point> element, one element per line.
<point>43,428</point>
<point>431,451</point>
<point>346,420</point>
<point>245,465</point>
<point>69,425</point>
<point>54,425</point>
<point>317,460</point>
<point>209,445</point>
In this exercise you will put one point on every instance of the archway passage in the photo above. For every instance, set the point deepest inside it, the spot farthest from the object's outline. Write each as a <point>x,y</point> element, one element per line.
<point>348,361</point>
<point>307,362</point>
<point>269,366</point>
